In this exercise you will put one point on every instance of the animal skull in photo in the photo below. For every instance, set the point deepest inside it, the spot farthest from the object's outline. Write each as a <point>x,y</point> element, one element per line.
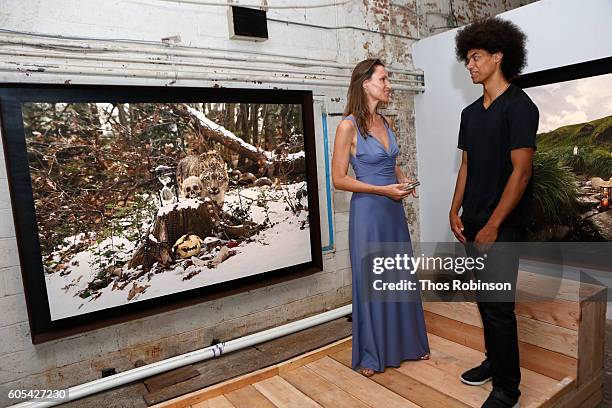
<point>187,246</point>
<point>192,187</point>
<point>210,169</point>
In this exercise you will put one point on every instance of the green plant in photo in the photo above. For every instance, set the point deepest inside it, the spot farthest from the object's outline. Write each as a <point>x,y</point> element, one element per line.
<point>599,164</point>
<point>554,191</point>
<point>567,158</point>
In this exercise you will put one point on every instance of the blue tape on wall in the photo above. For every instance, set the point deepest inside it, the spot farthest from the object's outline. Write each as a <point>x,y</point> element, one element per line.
<point>330,223</point>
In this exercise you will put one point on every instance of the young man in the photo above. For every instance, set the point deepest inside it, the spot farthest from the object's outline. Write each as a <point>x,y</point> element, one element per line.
<point>497,136</point>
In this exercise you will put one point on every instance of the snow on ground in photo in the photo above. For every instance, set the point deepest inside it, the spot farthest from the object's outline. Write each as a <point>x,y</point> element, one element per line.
<point>281,245</point>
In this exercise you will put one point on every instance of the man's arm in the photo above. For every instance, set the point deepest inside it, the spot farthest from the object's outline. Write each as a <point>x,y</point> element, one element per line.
<point>455,221</point>
<point>522,160</point>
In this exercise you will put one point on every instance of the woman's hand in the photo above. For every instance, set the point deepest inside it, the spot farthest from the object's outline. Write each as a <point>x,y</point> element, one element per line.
<point>405,181</point>
<point>395,192</point>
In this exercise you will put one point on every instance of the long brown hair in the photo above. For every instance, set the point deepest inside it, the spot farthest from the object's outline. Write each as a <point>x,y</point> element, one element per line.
<point>357,101</point>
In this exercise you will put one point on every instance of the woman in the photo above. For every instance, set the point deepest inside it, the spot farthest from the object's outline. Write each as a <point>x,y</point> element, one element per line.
<point>384,333</point>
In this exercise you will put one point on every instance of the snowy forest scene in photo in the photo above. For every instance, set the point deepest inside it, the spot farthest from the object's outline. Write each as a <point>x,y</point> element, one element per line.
<point>137,201</point>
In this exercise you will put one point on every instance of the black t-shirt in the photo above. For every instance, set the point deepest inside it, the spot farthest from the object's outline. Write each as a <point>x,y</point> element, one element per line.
<point>488,136</point>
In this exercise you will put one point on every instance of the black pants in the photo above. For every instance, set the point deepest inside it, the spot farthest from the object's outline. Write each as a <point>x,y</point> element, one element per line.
<point>496,308</point>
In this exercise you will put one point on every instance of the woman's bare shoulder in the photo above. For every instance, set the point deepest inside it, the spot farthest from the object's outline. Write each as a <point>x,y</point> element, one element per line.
<point>347,126</point>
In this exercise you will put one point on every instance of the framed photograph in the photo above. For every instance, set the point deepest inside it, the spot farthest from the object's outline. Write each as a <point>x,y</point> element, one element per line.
<point>130,201</point>
<point>573,162</point>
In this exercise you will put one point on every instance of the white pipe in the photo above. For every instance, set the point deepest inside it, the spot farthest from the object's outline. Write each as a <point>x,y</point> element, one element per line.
<point>126,377</point>
<point>258,6</point>
<point>177,75</point>
<point>42,60</point>
<point>97,46</point>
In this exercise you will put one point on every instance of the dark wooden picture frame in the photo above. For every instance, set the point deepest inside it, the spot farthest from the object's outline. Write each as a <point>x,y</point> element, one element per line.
<point>13,96</point>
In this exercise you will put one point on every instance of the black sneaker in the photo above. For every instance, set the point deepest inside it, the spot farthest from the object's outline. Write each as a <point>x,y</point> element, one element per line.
<point>499,399</point>
<point>477,375</point>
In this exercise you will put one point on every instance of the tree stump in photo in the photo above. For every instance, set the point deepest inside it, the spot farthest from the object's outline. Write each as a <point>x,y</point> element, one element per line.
<point>193,216</point>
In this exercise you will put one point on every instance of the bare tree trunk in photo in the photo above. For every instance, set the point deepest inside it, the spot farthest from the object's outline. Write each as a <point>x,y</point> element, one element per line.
<point>228,121</point>
<point>255,124</point>
<point>243,118</point>
<point>284,113</point>
<point>265,127</point>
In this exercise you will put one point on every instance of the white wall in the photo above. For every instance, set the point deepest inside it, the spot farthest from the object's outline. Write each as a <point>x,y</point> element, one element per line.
<point>560,32</point>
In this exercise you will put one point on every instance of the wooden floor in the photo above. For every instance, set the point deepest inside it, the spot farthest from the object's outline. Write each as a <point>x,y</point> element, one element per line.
<point>323,378</point>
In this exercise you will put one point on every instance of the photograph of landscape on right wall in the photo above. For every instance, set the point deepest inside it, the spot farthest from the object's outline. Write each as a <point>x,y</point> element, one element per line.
<point>573,163</point>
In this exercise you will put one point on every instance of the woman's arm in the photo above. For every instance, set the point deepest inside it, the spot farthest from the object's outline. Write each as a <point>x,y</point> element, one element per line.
<point>345,134</point>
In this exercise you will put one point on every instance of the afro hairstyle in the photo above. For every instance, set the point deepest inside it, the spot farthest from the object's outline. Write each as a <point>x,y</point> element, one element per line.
<point>494,34</point>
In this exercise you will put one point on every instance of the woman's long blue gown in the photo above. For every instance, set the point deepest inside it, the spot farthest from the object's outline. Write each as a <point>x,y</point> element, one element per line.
<point>384,332</point>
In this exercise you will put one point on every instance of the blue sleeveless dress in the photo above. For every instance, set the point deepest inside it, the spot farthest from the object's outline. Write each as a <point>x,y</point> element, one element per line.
<point>384,332</point>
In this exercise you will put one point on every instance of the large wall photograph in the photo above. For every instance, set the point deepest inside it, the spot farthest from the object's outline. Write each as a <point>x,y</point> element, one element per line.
<point>140,200</point>
<point>573,163</point>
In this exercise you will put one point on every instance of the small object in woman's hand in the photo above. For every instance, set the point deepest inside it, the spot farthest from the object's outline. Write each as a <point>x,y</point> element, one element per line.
<point>411,186</point>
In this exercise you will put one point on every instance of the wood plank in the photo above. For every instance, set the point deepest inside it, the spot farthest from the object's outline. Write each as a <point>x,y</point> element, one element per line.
<point>314,355</point>
<point>219,389</point>
<point>251,377</point>
<point>321,390</point>
<point>543,361</point>
<point>558,312</point>
<point>465,312</point>
<point>548,336</point>
<point>579,395</point>
<point>594,400</point>
<point>438,377</point>
<point>539,333</point>
<point>284,395</point>
<point>592,335</point>
<point>233,365</point>
<point>169,378</point>
<point>407,387</point>
<point>360,387</point>
<point>534,395</point>
<point>248,397</point>
<point>468,358</point>
<point>537,285</point>
<point>216,402</point>
<point>250,359</point>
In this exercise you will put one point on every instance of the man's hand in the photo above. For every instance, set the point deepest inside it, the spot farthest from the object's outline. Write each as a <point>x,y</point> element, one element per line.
<point>457,227</point>
<point>486,237</point>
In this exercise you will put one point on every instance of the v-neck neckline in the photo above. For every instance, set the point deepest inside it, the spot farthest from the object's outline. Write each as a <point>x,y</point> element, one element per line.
<point>387,150</point>
<point>496,99</point>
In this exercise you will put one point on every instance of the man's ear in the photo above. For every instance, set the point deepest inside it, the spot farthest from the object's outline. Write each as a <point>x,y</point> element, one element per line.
<point>498,56</point>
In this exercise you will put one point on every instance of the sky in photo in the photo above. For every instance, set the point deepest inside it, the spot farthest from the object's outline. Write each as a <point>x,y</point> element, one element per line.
<point>572,102</point>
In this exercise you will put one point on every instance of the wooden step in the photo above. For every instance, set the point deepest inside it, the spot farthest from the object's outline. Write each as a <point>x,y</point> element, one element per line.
<point>560,335</point>
<point>284,395</point>
<point>325,379</point>
<point>420,393</point>
<point>560,344</point>
<point>323,391</point>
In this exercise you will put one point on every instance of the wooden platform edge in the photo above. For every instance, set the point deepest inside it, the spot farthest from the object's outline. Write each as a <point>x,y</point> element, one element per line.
<point>578,396</point>
<point>251,378</point>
